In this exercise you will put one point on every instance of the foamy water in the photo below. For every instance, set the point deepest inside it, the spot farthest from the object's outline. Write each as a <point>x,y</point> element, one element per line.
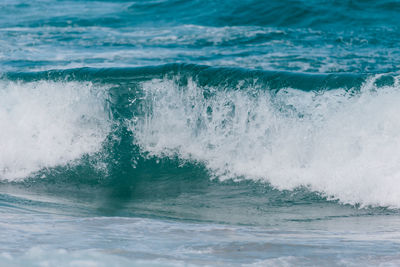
<point>46,124</point>
<point>340,143</point>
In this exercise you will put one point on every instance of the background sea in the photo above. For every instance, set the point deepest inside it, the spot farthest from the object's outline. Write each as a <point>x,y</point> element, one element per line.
<point>188,132</point>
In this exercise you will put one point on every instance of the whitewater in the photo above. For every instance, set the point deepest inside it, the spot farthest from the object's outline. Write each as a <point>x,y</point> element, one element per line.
<point>189,133</point>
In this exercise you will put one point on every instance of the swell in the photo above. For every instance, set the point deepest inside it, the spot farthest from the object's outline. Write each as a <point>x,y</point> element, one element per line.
<point>316,36</point>
<point>250,12</point>
<point>170,130</point>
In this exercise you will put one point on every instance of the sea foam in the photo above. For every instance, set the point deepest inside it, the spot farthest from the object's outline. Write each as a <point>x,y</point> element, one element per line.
<point>45,124</point>
<point>342,143</point>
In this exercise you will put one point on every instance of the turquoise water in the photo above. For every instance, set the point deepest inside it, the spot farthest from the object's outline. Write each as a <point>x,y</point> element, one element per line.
<point>186,133</point>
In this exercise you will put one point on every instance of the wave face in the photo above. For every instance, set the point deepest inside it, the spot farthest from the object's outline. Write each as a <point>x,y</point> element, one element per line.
<point>332,134</point>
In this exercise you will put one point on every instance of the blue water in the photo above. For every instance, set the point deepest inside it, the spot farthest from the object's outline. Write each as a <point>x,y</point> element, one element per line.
<point>192,133</point>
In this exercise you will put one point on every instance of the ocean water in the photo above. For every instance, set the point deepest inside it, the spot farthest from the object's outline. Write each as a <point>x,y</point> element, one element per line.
<point>199,133</point>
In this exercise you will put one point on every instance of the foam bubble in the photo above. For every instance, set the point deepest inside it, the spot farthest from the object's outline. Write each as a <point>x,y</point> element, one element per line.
<point>341,144</point>
<point>45,124</point>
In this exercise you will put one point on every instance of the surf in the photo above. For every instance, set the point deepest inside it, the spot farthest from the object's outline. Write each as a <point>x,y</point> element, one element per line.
<point>278,128</point>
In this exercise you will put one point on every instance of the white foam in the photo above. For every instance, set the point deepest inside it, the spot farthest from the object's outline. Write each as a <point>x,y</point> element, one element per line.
<point>345,146</point>
<point>38,256</point>
<point>45,124</point>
